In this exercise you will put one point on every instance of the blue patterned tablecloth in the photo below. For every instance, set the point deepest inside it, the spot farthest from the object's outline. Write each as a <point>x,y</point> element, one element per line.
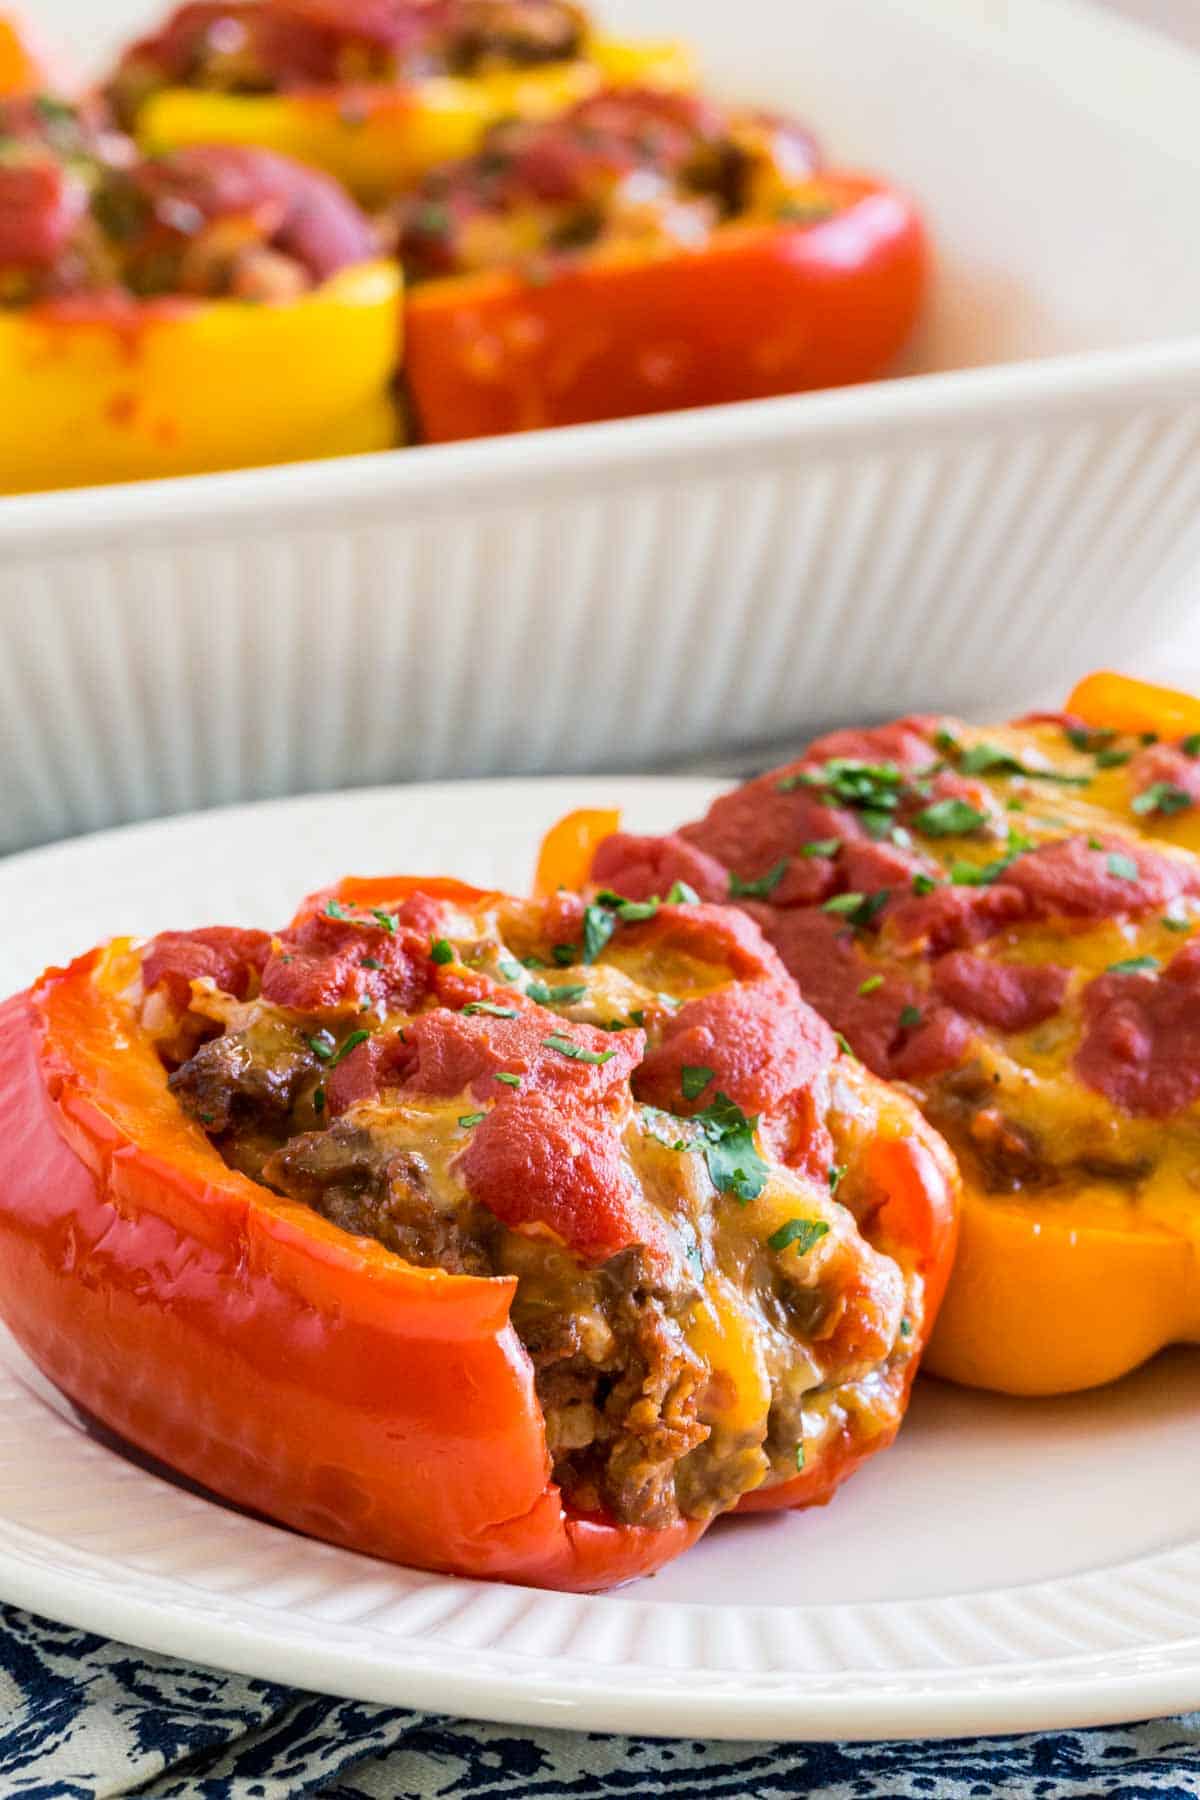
<point>85,1719</point>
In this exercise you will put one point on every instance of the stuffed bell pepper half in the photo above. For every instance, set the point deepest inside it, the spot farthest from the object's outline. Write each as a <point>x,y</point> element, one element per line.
<point>1005,922</point>
<point>374,91</point>
<point>215,308</point>
<point>514,1238</point>
<point>646,252</point>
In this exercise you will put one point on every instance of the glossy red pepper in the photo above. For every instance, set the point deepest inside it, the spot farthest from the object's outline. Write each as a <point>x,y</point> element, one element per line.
<point>306,1374</point>
<point>762,309</point>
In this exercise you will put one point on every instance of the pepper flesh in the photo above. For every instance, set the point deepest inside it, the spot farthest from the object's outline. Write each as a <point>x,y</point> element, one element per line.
<point>762,309</point>
<point>128,1242</point>
<point>1051,1292</point>
<point>102,391</point>
<point>378,139</point>
<point>357,1362</point>
<point>20,71</point>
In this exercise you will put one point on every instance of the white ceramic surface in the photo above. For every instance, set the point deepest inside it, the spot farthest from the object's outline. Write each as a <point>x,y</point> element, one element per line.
<point>619,594</point>
<point>1008,1565</point>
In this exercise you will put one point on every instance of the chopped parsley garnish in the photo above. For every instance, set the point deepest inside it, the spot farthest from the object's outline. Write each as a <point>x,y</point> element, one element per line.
<point>906,1328</point>
<point>1094,843</point>
<point>386,919</point>
<point>1190,745</point>
<point>370,962</point>
<point>923,884</point>
<point>491,1009</point>
<point>1148,737</point>
<point>873,786</point>
<point>441,951</point>
<point>910,1017</point>
<point>734,1165</point>
<point>682,895</point>
<point>759,888</point>
<point>1123,867</point>
<point>335,910</point>
<point>821,847</point>
<point>988,759</point>
<point>1162,797</point>
<point>576,1052</point>
<point>630,912</point>
<point>565,954</point>
<point>949,818</point>
<point>650,1116</point>
<point>535,962</point>
<point>803,1233</point>
<point>1112,759</point>
<point>945,741</point>
<point>556,996</point>
<point>836,1175</point>
<point>858,909</point>
<point>323,1046</point>
<point>1083,737</point>
<point>319,1100</point>
<point>1134,965</point>
<point>469,1120</point>
<point>598,926</point>
<point>637,1016</point>
<point>508,1079</point>
<point>871,985</point>
<point>693,1081</point>
<point>1176,924</point>
<point>510,970</point>
<point>843,1045</point>
<point>800,1454</point>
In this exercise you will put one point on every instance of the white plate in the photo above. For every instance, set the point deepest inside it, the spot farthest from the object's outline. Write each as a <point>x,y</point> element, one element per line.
<point>1007,1566</point>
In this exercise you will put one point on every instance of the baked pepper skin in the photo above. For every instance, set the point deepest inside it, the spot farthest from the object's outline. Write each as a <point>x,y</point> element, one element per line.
<point>110,389</point>
<point>1023,1313</point>
<point>378,139</point>
<point>762,309</point>
<point>20,69</point>
<point>298,1372</point>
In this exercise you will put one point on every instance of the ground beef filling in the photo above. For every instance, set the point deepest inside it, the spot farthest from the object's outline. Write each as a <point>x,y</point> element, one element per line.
<point>617,1381</point>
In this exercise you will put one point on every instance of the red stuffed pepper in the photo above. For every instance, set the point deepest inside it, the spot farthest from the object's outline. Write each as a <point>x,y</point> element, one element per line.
<point>648,251</point>
<point>518,1239</point>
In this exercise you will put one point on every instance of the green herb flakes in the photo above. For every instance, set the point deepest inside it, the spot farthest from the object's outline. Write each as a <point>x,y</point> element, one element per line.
<point>821,847</point>
<point>949,818</point>
<point>491,1010</point>
<point>556,996</point>
<point>576,1052</point>
<point>802,1233</point>
<point>470,1120</point>
<point>682,895</point>
<point>1163,797</point>
<point>441,951</point>
<point>1123,867</point>
<point>910,1018</point>
<point>513,1081</point>
<point>836,1176</point>
<point>871,985</point>
<point>734,1164</point>
<point>693,1081</point>
<point>760,888</point>
<point>598,926</point>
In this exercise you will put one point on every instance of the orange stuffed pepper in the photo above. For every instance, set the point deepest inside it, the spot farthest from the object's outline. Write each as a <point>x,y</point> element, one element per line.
<point>648,251</point>
<point>519,1239</point>
<point>373,91</point>
<point>1005,921</point>
<point>213,309</point>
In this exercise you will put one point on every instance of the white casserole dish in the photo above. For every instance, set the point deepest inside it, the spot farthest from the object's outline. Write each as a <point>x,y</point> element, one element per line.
<point>621,595</point>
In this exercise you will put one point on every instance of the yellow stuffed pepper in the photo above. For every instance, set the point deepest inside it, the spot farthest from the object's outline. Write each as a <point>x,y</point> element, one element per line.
<point>1006,921</point>
<point>373,91</point>
<point>213,309</point>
